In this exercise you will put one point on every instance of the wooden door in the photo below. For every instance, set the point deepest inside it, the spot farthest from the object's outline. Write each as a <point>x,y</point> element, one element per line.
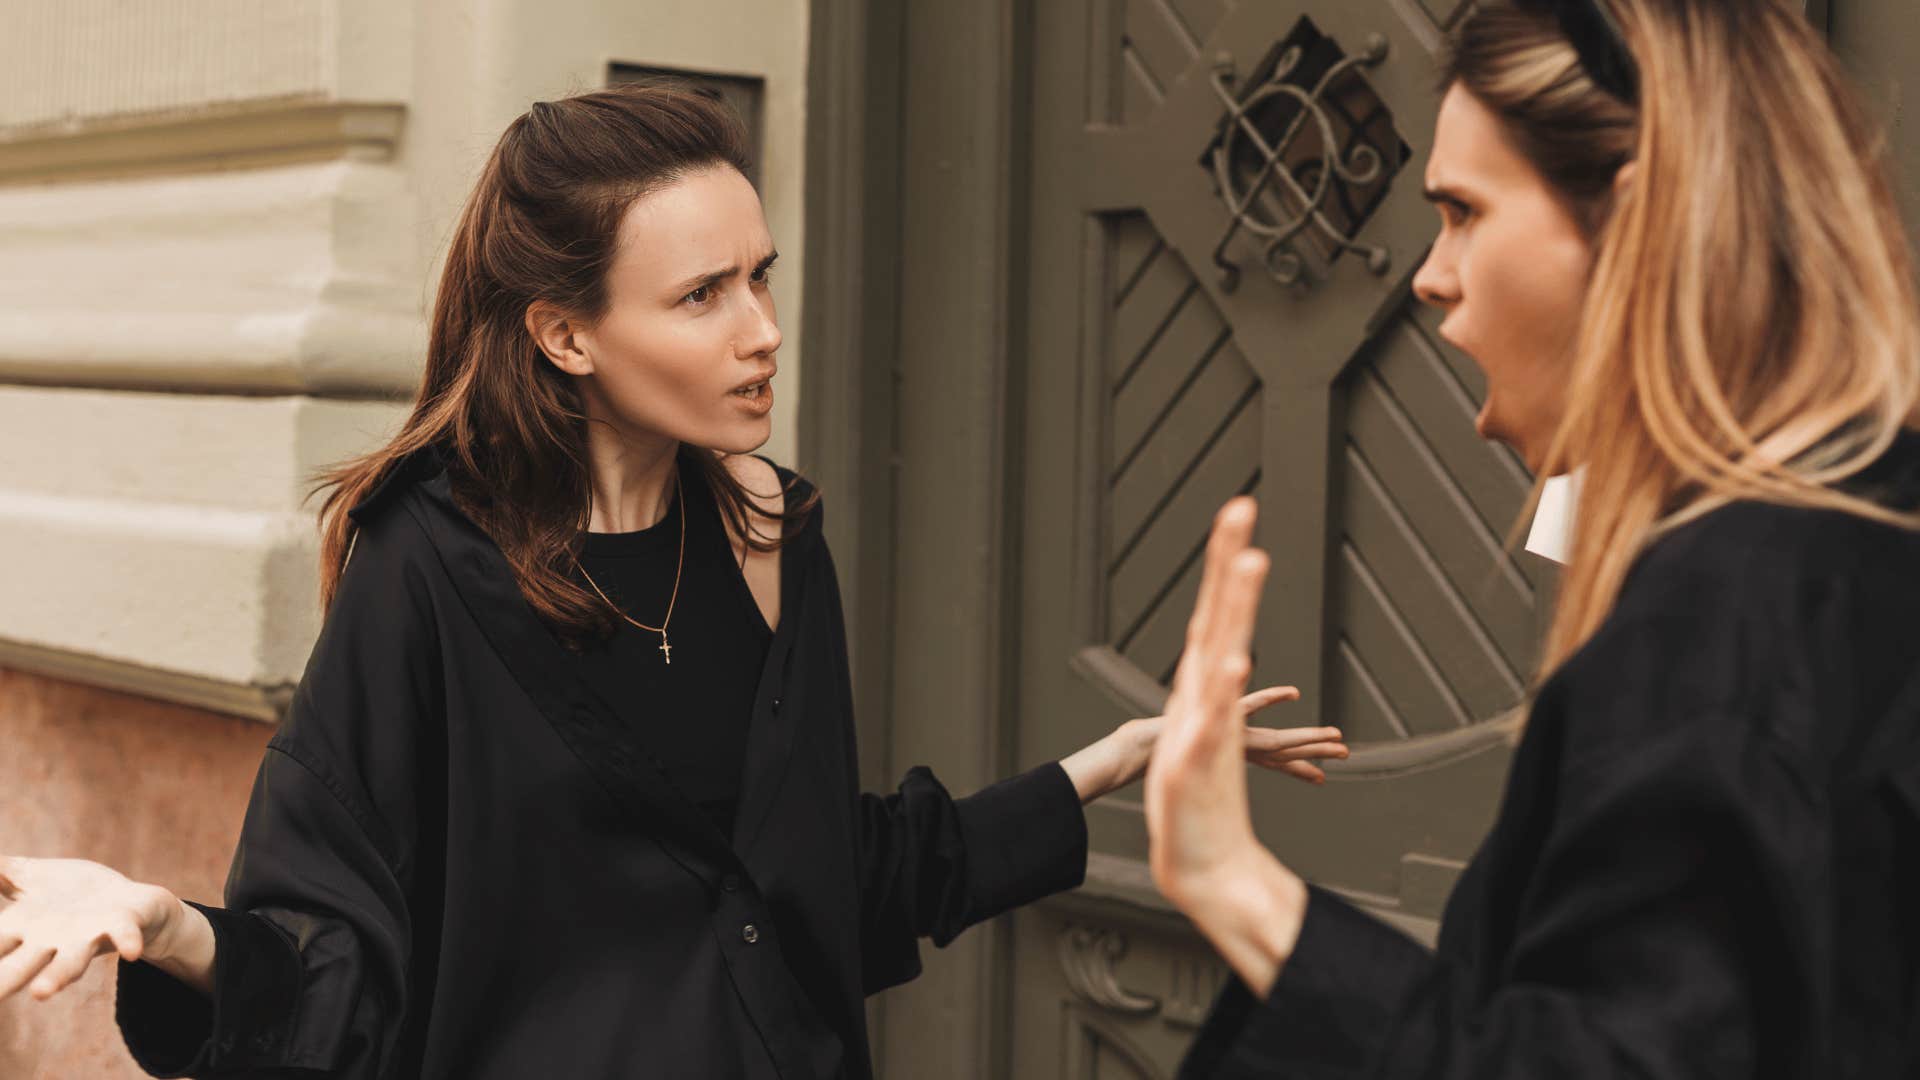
<point>1224,217</point>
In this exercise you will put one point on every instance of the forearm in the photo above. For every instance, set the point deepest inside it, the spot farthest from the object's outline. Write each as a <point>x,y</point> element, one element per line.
<point>186,950</point>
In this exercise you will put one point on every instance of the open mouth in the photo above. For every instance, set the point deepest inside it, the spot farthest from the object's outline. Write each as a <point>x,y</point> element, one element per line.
<point>752,391</point>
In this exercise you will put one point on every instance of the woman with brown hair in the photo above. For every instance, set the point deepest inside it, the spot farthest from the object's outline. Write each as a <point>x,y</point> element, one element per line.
<point>568,787</point>
<point>1669,240</point>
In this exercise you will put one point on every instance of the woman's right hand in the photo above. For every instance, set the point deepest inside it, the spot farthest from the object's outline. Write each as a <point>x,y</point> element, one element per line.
<point>57,915</point>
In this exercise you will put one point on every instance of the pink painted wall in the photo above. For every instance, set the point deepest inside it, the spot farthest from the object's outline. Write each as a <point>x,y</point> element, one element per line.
<point>153,790</point>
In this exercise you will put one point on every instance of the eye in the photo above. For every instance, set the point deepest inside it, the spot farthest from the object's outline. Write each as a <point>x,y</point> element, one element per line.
<point>1454,213</point>
<point>762,276</point>
<point>699,296</point>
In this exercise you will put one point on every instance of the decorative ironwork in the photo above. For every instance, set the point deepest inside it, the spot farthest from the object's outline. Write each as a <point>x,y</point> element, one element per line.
<point>1318,170</point>
<point>1088,955</point>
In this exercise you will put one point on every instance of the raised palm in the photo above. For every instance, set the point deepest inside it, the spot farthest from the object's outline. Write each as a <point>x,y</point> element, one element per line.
<point>58,915</point>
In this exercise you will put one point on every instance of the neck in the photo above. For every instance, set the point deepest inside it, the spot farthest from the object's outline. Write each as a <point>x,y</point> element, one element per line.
<point>632,477</point>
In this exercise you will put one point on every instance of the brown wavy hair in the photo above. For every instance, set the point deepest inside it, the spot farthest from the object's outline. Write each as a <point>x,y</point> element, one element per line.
<point>1749,329</point>
<point>542,224</point>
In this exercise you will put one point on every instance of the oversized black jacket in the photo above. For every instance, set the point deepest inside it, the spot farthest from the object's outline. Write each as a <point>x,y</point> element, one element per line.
<point>1707,861</point>
<point>460,860</point>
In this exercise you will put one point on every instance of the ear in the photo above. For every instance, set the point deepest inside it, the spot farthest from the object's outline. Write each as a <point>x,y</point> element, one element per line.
<point>1623,178</point>
<point>559,337</point>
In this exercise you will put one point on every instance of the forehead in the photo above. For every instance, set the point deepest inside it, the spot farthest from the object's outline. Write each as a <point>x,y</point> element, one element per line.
<point>707,215</point>
<point>1471,148</point>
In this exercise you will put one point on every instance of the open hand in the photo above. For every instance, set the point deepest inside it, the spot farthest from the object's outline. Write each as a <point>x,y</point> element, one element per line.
<point>57,915</point>
<point>1204,854</point>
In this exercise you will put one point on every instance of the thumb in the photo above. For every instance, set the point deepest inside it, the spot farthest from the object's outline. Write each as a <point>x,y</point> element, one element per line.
<point>128,941</point>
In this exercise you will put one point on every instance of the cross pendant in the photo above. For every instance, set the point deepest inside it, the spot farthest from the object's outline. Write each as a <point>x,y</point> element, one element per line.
<point>666,648</point>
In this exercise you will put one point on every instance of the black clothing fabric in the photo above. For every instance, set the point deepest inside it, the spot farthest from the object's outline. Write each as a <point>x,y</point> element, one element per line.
<point>461,861</point>
<point>1707,858</point>
<point>695,701</point>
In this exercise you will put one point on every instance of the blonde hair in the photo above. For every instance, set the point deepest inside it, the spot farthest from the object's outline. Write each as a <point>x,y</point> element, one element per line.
<point>1749,329</point>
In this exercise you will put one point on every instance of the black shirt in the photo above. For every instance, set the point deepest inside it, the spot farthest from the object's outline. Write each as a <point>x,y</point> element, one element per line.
<point>457,862</point>
<point>695,702</point>
<point>1707,860</point>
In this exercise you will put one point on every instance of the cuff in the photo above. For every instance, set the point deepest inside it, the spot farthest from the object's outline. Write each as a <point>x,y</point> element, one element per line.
<point>1026,838</point>
<point>1331,1008</point>
<point>172,1029</point>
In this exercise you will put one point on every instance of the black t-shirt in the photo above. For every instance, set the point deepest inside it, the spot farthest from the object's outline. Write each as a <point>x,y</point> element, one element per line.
<point>698,706</point>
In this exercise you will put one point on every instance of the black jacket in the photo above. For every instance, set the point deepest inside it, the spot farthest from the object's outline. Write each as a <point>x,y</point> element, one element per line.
<point>460,861</point>
<point>1707,861</point>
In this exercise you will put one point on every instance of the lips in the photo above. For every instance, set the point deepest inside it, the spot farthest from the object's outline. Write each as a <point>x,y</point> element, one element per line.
<point>756,397</point>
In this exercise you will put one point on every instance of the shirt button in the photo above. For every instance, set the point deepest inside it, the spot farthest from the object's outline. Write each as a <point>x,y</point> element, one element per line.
<point>731,883</point>
<point>776,704</point>
<point>750,933</point>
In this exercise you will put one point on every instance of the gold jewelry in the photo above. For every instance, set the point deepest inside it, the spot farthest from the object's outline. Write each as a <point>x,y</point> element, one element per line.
<point>666,647</point>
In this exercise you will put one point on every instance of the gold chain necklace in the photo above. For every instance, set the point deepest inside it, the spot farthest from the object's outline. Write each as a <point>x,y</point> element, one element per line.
<point>666,648</point>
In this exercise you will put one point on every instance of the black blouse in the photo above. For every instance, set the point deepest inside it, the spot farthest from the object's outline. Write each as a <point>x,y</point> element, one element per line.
<point>1707,860</point>
<point>461,862</point>
<point>696,700</point>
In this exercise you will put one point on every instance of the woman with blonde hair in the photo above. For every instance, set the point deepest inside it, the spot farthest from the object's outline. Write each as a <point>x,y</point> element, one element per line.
<point>1669,240</point>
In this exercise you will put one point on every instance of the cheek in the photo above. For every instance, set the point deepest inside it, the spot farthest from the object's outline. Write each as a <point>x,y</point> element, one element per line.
<point>1525,281</point>
<point>658,357</point>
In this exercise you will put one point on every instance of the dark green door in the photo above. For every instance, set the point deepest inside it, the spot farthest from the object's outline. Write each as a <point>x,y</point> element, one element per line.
<point>1225,212</point>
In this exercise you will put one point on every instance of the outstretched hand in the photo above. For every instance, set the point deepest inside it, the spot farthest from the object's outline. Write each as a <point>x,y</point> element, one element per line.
<point>1121,757</point>
<point>58,915</point>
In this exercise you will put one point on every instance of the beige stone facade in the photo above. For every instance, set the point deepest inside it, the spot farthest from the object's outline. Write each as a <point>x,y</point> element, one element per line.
<point>220,221</point>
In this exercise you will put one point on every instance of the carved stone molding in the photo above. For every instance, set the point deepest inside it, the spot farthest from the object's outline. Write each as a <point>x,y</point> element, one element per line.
<point>1087,956</point>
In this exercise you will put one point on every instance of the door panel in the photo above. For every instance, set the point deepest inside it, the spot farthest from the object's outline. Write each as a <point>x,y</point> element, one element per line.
<point>1225,214</point>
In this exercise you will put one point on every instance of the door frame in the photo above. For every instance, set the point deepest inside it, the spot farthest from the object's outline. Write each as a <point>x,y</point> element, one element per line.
<point>910,423</point>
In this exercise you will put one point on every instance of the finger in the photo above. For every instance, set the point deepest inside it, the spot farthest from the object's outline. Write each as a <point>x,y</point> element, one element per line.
<point>1270,737</point>
<point>128,941</point>
<point>1272,758</point>
<point>64,969</point>
<point>1305,770</point>
<point>1224,645</point>
<point>22,964</point>
<point>1232,529</point>
<point>1239,602</point>
<point>1272,695</point>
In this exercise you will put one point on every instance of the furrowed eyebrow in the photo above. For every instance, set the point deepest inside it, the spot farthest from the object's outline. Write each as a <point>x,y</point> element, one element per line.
<point>705,281</point>
<point>715,277</point>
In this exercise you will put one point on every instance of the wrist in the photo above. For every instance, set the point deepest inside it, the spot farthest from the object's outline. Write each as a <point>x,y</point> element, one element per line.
<point>1252,913</point>
<point>183,947</point>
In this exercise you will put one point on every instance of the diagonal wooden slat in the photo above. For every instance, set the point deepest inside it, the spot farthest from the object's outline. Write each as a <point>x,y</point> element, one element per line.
<point>1460,646</point>
<point>1139,92</point>
<point>1356,703</point>
<point>1200,16</point>
<point>1365,614</point>
<point>1138,319</point>
<point>1154,645</point>
<point>1442,518</point>
<point>1443,413</point>
<point>1158,40</point>
<point>1177,358</point>
<point>1210,410</point>
<point>1143,563</point>
<point>1133,242</point>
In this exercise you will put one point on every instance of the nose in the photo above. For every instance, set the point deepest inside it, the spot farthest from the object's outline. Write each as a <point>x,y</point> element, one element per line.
<point>1437,282</point>
<point>760,334</point>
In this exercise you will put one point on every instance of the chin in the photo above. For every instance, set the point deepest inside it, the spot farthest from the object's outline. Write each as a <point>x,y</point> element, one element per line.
<point>740,441</point>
